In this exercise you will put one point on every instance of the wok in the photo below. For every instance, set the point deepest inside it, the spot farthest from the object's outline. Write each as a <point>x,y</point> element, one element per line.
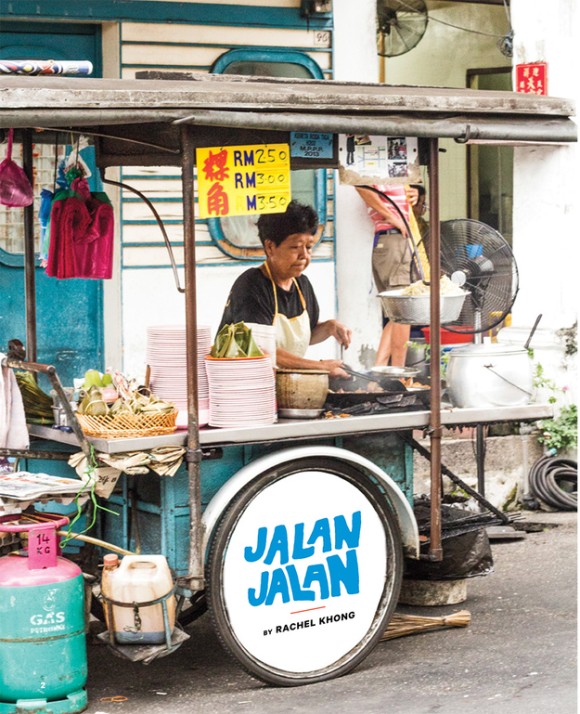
<point>345,393</point>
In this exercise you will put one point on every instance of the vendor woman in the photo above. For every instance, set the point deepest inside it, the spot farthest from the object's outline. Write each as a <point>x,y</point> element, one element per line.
<point>277,293</point>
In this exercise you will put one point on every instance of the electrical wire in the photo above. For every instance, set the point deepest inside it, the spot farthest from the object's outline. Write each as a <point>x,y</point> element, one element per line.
<point>455,27</point>
<point>545,479</point>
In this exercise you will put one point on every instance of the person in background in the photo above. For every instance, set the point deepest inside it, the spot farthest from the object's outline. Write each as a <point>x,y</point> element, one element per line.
<point>391,261</point>
<point>277,293</point>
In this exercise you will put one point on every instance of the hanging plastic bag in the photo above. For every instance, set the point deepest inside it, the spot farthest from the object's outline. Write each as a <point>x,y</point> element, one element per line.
<point>46,196</point>
<point>15,188</point>
<point>81,234</point>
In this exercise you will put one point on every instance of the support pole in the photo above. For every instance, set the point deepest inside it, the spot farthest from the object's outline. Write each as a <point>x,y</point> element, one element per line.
<point>29,255</point>
<point>193,454</point>
<point>435,549</point>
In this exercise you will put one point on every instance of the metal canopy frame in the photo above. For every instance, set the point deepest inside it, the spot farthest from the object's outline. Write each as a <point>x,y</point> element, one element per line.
<point>133,110</point>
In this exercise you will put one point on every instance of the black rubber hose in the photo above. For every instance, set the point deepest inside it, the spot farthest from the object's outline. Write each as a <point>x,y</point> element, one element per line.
<point>545,479</point>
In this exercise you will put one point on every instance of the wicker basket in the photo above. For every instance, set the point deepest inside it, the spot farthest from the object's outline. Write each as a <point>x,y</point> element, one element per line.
<point>123,426</point>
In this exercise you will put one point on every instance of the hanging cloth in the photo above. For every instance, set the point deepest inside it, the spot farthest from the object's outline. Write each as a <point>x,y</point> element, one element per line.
<point>81,233</point>
<point>15,188</point>
<point>292,333</point>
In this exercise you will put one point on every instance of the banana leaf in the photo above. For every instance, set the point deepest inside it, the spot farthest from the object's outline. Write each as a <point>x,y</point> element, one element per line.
<point>235,341</point>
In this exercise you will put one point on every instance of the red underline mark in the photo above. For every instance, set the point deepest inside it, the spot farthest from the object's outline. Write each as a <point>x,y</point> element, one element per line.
<point>297,612</point>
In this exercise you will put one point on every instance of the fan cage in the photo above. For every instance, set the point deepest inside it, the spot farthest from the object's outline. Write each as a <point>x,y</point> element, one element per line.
<point>400,26</point>
<point>483,256</point>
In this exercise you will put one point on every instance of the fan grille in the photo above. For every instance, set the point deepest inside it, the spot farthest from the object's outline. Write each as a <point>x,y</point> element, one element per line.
<point>482,256</point>
<point>400,25</point>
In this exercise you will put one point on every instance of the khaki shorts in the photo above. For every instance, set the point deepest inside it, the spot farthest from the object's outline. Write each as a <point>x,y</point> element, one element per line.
<point>391,262</point>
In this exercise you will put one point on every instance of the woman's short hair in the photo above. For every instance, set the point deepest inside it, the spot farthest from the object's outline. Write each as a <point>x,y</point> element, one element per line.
<point>297,218</point>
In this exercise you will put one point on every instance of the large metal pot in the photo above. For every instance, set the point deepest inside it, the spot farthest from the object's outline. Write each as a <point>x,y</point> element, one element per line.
<point>489,375</point>
<point>301,388</point>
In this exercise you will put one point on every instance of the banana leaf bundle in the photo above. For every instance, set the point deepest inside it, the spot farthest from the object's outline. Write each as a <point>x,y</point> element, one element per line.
<point>235,341</point>
<point>37,404</point>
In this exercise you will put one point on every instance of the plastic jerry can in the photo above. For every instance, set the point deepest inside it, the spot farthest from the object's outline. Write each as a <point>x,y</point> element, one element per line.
<point>137,580</point>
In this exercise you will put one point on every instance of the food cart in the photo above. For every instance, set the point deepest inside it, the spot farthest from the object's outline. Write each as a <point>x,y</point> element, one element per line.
<point>296,531</point>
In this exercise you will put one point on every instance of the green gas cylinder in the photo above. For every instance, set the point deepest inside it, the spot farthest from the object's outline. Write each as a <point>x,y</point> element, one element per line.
<point>43,660</point>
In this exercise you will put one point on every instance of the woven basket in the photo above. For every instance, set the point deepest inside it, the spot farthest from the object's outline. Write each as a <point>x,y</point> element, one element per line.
<point>123,426</point>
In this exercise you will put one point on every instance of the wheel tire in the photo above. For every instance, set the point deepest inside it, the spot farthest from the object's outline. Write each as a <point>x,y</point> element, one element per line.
<point>225,579</point>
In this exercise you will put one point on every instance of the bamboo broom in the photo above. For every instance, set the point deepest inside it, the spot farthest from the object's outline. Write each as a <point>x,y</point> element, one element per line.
<point>401,625</point>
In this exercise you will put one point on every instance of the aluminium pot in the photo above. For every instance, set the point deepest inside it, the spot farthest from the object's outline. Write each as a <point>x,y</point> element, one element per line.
<point>489,375</point>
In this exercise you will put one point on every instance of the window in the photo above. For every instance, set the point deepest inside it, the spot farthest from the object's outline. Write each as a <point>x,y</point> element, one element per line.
<point>237,236</point>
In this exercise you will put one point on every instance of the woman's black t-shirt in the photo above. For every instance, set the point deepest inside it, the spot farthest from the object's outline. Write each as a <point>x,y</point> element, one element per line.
<point>251,299</point>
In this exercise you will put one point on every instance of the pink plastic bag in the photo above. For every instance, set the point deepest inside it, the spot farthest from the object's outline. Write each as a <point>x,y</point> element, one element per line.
<point>15,188</point>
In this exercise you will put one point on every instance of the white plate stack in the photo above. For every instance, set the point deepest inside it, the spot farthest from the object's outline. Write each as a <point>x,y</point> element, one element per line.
<point>265,337</point>
<point>166,357</point>
<point>242,392</point>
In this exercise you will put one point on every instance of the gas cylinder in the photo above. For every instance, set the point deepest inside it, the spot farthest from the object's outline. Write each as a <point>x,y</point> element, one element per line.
<point>130,586</point>
<point>43,660</point>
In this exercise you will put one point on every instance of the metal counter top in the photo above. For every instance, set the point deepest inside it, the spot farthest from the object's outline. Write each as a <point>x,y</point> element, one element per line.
<point>292,429</point>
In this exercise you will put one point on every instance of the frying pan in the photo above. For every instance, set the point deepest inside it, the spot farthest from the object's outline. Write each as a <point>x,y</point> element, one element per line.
<point>344,393</point>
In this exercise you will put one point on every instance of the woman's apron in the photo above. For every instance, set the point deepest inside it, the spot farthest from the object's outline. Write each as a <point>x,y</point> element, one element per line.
<point>292,333</point>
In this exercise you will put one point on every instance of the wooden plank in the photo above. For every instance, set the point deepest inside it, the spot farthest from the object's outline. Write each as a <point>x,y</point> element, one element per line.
<point>249,93</point>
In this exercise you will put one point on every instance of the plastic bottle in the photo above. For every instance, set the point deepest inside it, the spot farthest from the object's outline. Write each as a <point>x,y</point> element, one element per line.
<point>110,564</point>
<point>141,578</point>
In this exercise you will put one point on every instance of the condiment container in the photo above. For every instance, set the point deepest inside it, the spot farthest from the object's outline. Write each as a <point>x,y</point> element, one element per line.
<point>139,579</point>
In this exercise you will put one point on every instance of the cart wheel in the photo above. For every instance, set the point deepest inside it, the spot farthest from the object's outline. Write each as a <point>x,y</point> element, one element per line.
<point>304,572</point>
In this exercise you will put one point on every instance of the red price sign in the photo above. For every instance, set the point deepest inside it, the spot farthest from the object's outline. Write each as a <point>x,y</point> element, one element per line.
<point>532,78</point>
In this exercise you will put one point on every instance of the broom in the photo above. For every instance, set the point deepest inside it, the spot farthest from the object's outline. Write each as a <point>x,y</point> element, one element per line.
<point>401,625</point>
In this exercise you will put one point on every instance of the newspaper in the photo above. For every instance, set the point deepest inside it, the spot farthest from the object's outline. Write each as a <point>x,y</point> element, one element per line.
<point>24,486</point>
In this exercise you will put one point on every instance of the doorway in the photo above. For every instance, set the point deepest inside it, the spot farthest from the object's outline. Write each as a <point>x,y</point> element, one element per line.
<point>490,168</point>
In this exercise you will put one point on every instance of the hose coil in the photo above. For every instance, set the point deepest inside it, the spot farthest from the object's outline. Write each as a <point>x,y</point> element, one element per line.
<point>555,482</point>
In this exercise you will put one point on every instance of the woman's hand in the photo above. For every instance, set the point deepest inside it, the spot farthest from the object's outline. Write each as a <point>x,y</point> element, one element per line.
<point>331,328</point>
<point>334,368</point>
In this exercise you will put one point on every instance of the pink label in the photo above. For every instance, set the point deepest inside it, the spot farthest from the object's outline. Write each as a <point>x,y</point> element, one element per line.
<point>42,548</point>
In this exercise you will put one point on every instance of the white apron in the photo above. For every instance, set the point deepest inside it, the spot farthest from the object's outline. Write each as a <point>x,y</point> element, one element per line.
<point>292,333</point>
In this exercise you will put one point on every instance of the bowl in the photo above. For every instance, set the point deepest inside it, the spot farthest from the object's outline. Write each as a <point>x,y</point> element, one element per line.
<point>416,309</point>
<point>301,388</point>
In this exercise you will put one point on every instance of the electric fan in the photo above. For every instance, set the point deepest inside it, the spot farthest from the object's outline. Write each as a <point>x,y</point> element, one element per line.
<point>400,25</point>
<point>480,260</point>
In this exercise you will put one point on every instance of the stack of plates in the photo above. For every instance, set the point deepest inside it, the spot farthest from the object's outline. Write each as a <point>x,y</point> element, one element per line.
<point>166,357</point>
<point>242,392</point>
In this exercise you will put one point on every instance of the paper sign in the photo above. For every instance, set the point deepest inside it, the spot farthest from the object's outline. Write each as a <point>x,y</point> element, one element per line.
<point>378,159</point>
<point>243,180</point>
<point>532,78</point>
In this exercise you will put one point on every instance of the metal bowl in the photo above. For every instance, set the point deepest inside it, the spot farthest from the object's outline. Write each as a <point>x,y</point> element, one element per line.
<point>299,413</point>
<point>415,309</point>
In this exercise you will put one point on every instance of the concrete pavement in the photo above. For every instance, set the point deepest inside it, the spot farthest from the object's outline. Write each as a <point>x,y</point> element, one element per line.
<point>517,656</point>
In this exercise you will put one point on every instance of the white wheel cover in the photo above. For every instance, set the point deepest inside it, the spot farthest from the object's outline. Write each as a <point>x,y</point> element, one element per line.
<point>303,635</point>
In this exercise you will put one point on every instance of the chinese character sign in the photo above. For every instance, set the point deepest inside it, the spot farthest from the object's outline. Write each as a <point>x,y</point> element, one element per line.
<point>242,180</point>
<point>532,78</point>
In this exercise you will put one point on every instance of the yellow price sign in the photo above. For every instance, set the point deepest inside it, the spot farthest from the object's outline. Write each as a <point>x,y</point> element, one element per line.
<point>243,180</point>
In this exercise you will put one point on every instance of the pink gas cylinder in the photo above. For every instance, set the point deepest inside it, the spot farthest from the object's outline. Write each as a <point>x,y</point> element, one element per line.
<point>43,660</point>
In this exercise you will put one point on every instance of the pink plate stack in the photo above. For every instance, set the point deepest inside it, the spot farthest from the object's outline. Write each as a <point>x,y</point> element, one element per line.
<point>242,392</point>
<point>166,357</point>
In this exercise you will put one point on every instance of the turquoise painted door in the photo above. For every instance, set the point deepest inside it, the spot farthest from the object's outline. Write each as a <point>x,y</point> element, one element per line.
<point>69,312</point>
